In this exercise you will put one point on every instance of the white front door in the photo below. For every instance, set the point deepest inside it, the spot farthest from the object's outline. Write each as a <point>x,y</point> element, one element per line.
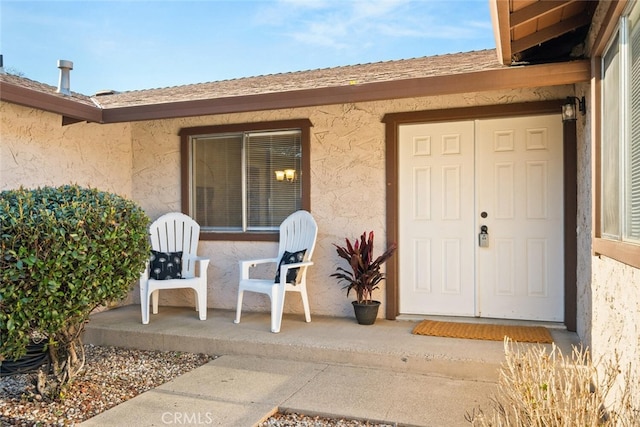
<point>455,177</point>
<point>436,253</point>
<point>519,187</point>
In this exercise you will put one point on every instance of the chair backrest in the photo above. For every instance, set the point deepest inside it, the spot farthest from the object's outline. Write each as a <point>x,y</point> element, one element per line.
<point>298,231</point>
<point>177,232</point>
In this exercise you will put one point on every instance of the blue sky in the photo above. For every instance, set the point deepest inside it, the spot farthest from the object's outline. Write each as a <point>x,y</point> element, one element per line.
<point>130,45</point>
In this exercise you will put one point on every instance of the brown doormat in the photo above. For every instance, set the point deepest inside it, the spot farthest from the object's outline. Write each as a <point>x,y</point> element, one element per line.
<point>537,334</point>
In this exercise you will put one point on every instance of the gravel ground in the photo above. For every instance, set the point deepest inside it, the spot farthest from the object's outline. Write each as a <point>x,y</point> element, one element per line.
<point>299,420</point>
<point>113,375</point>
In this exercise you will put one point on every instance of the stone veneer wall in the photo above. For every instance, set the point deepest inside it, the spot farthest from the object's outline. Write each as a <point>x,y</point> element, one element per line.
<point>36,150</point>
<point>347,187</point>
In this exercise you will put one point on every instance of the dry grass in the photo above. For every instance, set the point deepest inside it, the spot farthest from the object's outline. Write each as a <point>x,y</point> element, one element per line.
<point>542,387</point>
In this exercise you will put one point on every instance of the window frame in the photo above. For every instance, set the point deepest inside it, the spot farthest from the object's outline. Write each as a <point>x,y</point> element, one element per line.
<point>186,156</point>
<point>618,249</point>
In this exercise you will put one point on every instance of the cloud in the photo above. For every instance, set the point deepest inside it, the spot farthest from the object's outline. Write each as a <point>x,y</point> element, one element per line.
<point>326,34</point>
<point>343,25</point>
<point>365,9</point>
<point>327,23</point>
<point>305,4</point>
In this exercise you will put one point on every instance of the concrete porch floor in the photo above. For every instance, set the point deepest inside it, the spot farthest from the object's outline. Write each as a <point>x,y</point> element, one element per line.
<point>413,380</point>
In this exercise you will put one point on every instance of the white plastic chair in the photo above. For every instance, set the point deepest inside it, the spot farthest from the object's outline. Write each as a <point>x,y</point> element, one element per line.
<point>176,232</point>
<point>297,232</point>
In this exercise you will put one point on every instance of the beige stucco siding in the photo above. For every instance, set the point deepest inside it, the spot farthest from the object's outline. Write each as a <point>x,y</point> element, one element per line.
<point>347,187</point>
<point>608,291</point>
<point>615,333</point>
<point>141,160</point>
<point>36,150</point>
<point>584,223</point>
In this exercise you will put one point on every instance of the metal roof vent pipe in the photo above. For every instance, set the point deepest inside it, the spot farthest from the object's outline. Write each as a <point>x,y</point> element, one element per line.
<point>1,65</point>
<point>64,83</point>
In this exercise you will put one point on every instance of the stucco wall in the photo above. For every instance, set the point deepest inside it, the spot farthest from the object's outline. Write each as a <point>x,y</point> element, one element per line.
<point>141,160</point>
<point>584,222</point>
<point>347,188</point>
<point>608,291</point>
<point>615,326</point>
<point>36,150</point>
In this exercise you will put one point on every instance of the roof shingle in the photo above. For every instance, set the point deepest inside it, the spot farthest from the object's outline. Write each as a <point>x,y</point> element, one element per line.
<point>44,88</point>
<point>449,64</point>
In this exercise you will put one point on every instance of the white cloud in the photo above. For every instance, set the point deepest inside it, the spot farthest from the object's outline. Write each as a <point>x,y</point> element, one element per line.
<point>344,24</point>
<point>305,4</point>
<point>326,34</point>
<point>364,9</point>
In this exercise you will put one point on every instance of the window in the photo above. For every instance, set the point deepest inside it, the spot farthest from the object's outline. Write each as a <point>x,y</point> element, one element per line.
<point>610,154</point>
<point>241,181</point>
<point>619,209</point>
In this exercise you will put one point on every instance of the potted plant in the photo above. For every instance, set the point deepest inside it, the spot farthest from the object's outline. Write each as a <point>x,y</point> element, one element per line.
<point>363,275</point>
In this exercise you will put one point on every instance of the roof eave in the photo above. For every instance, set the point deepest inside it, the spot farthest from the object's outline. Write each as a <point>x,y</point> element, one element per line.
<point>71,109</point>
<point>499,79</point>
<point>500,19</point>
<point>480,81</point>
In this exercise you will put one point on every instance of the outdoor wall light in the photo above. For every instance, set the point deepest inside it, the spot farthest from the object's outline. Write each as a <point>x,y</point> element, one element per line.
<point>287,174</point>
<point>569,108</point>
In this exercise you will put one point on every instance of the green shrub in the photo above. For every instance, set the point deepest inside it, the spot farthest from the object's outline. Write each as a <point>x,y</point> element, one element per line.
<point>63,252</point>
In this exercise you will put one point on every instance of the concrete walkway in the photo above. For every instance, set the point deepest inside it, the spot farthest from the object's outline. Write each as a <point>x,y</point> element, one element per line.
<point>330,367</point>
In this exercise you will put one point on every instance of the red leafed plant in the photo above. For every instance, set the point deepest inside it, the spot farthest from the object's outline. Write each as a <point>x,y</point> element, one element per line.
<point>364,274</point>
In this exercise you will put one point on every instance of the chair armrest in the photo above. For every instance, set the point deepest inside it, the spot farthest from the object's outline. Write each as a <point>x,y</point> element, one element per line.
<point>247,264</point>
<point>194,258</point>
<point>254,262</point>
<point>285,267</point>
<point>203,264</point>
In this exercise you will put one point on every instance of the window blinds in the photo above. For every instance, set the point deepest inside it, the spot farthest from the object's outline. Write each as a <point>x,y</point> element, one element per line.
<point>269,200</point>
<point>217,178</point>
<point>611,137</point>
<point>235,186</point>
<point>632,181</point>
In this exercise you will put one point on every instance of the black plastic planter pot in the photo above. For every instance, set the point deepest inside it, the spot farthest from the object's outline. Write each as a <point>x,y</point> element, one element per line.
<point>30,362</point>
<point>366,314</point>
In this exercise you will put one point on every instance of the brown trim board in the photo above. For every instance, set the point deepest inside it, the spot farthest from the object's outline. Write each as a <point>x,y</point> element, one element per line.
<point>570,174</point>
<point>392,123</point>
<point>480,81</point>
<point>475,81</point>
<point>65,106</point>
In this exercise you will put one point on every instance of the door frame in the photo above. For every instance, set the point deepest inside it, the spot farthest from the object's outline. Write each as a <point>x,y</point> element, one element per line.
<point>392,123</point>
